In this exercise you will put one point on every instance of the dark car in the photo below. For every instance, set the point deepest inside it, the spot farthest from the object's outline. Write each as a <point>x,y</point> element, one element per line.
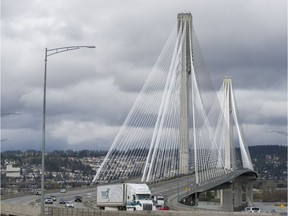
<point>53,197</point>
<point>78,199</point>
<point>62,201</point>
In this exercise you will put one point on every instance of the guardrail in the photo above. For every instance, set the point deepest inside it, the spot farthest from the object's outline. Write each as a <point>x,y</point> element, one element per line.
<point>27,210</point>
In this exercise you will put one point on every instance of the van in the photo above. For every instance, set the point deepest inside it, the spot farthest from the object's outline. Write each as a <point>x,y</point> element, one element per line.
<point>252,209</point>
<point>38,191</point>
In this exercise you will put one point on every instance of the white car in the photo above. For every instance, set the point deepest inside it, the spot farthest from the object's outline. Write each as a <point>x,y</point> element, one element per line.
<point>160,200</point>
<point>63,191</point>
<point>252,209</point>
<point>48,200</point>
<point>69,204</point>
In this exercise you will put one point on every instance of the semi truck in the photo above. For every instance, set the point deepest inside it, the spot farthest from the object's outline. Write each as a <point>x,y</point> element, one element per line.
<point>125,197</point>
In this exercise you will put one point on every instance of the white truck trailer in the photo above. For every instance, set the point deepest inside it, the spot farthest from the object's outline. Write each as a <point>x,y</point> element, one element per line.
<point>124,196</point>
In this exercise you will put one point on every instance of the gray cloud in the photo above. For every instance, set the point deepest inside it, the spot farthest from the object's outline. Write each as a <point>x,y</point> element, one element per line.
<point>90,91</point>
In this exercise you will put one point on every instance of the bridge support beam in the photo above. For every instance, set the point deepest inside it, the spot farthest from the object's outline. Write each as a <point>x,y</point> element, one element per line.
<point>249,193</point>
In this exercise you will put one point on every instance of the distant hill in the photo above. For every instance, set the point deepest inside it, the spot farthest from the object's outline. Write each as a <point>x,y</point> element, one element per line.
<point>270,161</point>
<point>256,151</point>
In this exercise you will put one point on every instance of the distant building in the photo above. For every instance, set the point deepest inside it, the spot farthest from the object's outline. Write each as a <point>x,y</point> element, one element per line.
<point>12,171</point>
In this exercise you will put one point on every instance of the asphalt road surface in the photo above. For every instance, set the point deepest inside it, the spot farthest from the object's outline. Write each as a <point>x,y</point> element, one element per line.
<point>166,188</point>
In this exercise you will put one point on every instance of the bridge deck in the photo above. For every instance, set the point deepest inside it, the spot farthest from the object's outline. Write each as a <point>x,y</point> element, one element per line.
<point>179,188</point>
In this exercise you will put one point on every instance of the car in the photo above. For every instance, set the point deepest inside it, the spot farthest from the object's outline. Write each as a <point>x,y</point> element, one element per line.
<point>63,191</point>
<point>62,201</point>
<point>38,191</point>
<point>160,200</point>
<point>69,204</point>
<point>53,197</point>
<point>78,199</point>
<point>164,208</point>
<point>48,200</point>
<point>252,209</point>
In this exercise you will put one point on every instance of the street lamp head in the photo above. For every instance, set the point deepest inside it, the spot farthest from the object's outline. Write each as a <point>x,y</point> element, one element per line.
<point>91,47</point>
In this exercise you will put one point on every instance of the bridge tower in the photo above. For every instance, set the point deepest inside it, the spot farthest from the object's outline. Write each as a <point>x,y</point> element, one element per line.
<point>229,108</point>
<point>184,21</point>
<point>227,129</point>
<point>231,195</point>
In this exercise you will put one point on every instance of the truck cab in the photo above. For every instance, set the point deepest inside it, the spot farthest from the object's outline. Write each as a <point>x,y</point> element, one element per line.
<point>139,197</point>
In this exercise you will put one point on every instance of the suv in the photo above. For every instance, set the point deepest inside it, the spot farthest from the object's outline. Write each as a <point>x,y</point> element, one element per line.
<point>78,199</point>
<point>252,209</point>
<point>48,200</point>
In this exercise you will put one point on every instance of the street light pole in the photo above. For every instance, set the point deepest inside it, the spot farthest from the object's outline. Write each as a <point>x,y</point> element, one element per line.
<point>43,137</point>
<point>49,52</point>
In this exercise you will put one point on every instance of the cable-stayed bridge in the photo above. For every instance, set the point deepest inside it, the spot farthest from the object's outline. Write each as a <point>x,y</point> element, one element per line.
<point>180,126</point>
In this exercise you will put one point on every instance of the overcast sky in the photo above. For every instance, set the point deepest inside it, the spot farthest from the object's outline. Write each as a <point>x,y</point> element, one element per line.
<point>90,91</point>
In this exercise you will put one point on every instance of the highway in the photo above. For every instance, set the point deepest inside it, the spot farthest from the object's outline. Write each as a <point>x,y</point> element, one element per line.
<point>172,190</point>
<point>86,193</point>
<point>167,188</point>
<point>175,189</point>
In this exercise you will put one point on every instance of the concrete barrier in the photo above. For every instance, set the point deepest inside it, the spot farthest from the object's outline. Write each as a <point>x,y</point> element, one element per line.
<point>27,210</point>
<point>19,210</point>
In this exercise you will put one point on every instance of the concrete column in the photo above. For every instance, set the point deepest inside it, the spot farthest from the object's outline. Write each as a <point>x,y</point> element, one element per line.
<point>227,197</point>
<point>220,195</point>
<point>237,194</point>
<point>249,193</point>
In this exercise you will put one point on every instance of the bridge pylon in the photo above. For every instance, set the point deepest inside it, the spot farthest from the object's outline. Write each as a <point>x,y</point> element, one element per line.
<point>185,26</point>
<point>184,79</point>
<point>227,129</point>
<point>229,108</point>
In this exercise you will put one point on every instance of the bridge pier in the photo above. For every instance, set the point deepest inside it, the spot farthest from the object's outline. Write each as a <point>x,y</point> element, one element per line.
<point>231,196</point>
<point>249,193</point>
<point>226,201</point>
<point>237,195</point>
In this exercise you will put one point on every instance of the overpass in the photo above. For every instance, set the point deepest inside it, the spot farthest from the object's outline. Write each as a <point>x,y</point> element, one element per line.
<point>180,192</point>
